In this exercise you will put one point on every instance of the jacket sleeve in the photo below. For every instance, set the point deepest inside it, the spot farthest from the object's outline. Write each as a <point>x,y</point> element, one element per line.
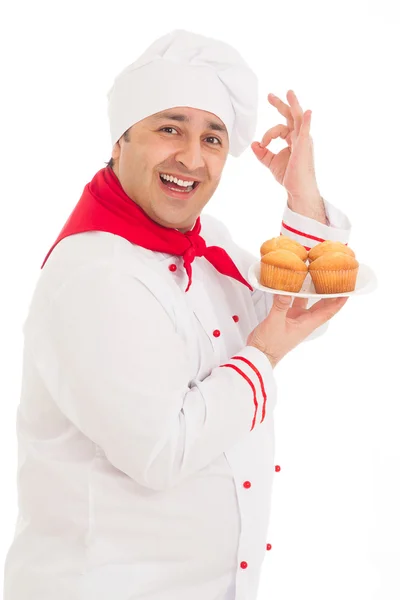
<point>109,355</point>
<point>309,232</point>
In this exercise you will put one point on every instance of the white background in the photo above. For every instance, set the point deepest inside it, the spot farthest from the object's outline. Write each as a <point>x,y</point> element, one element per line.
<point>335,524</point>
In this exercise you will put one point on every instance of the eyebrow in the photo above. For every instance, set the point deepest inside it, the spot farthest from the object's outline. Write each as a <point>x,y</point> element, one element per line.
<point>185,119</point>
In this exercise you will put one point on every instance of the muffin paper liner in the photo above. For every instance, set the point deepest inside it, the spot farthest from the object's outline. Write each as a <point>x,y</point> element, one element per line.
<point>279,278</point>
<point>332,282</point>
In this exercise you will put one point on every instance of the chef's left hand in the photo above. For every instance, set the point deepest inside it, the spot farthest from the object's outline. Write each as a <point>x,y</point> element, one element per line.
<point>293,167</point>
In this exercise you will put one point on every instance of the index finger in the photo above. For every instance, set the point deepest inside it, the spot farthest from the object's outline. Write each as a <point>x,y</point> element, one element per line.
<point>322,311</point>
<point>280,130</point>
<point>327,303</point>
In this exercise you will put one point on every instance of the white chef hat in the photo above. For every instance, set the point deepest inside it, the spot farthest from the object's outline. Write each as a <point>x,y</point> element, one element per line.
<point>187,69</point>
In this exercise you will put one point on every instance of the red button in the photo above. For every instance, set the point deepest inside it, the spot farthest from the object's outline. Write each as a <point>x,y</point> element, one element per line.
<point>216,333</point>
<point>277,468</point>
<point>235,318</point>
<point>247,484</point>
<point>269,546</point>
<point>243,565</point>
<point>172,267</point>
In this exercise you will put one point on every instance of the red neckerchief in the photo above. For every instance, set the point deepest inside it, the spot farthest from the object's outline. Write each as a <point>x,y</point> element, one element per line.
<point>104,206</point>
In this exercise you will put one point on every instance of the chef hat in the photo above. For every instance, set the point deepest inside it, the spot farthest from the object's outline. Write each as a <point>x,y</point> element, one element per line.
<point>187,69</point>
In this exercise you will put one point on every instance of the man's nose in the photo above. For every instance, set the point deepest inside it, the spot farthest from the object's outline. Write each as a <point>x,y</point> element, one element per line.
<point>191,156</point>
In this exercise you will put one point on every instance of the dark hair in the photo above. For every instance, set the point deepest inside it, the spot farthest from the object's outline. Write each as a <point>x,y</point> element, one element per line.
<point>127,139</point>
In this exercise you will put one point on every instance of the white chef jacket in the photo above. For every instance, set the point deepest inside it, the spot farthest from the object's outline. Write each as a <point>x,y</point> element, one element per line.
<point>145,424</point>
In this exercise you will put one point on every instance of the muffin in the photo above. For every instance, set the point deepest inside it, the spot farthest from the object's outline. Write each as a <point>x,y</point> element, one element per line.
<point>283,242</point>
<point>283,270</point>
<point>329,246</point>
<point>334,272</point>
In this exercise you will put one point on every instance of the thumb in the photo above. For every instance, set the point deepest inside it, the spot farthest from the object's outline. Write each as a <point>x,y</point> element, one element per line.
<point>280,306</point>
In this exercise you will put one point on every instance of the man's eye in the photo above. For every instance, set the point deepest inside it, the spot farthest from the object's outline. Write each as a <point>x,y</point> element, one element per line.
<point>215,138</point>
<point>208,138</point>
<point>163,128</point>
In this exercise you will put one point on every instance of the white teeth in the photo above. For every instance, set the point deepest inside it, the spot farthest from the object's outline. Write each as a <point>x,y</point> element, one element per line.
<point>175,180</point>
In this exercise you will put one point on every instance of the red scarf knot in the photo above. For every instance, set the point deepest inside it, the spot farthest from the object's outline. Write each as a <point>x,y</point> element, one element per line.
<point>198,244</point>
<point>197,248</point>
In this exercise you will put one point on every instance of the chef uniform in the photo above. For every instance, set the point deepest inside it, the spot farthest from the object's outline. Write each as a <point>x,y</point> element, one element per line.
<point>145,424</point>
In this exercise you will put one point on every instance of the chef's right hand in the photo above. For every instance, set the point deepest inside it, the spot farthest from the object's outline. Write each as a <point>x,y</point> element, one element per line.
<point>286,326</point>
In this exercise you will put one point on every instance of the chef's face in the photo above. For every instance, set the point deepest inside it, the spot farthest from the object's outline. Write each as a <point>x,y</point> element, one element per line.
<point>188,143</point>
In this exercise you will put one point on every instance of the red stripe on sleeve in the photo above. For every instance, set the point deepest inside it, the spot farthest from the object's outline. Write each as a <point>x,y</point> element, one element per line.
<point>307,235</point>
<point>252,387</point>
<point>311,237</point>
<point>257,372</point>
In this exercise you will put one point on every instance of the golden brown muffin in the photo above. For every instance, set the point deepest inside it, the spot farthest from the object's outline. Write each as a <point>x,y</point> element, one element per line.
<point>328,246</point>
<point>283,270</point>
<point>334,272</point>
<point>283,242</point>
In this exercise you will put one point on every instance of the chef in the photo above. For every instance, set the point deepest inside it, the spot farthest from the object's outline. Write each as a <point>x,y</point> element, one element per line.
<point>145,424</point>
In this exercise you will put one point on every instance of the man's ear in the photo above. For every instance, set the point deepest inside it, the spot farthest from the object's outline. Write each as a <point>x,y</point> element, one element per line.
<point>116,151</point>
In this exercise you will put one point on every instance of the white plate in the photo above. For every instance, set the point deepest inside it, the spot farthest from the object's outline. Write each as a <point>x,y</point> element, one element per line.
<point>365,284</point>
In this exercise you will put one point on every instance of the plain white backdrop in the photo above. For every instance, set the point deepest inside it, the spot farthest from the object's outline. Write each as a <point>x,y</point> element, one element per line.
<point>335,523</point>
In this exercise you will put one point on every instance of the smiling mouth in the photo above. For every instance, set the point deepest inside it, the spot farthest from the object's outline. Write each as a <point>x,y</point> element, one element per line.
<point>174,186</point>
